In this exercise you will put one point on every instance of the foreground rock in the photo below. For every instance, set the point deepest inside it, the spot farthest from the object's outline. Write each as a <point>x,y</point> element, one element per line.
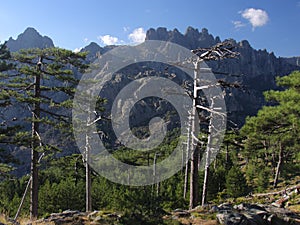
<point>254,214</point>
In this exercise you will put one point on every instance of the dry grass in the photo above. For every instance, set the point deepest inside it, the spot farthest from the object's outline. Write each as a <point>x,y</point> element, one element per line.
<point>3,219</point>
<point>197,221</point>
<point>295,208</point>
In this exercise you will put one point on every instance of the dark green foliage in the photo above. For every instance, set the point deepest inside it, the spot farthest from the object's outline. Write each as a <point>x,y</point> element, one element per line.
<point>58,83</point>
<point>272,137</point>
<point>4,57</point>
<point>236,185</point>
<point>263,179</point>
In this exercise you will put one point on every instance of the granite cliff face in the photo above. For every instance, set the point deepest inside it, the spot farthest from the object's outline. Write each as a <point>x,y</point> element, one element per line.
<point>191,39</point>
<point>30,38</point>
<point>255,69</point>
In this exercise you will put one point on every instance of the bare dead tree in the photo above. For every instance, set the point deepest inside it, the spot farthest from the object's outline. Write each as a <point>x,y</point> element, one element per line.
<point>220,51</point>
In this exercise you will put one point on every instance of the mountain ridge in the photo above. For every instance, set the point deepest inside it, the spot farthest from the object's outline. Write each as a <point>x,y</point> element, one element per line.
<point>191,39</point>
<point>255,70</point>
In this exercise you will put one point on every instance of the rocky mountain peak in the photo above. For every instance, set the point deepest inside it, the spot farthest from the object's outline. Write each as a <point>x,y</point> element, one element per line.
<point>244,44</point>
<point>30,38</point>
<point>92,48</point>
<point>191,39</point>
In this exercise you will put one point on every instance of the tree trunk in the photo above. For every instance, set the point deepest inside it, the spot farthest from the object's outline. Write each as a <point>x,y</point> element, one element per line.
<point>185,186</point>
<point>88,180</point>
<point>23,199</point>
<point>186,161</point>
<point>206,168</point>
<point>227,155</point>
<point>279,164</point>
<point>88,189</point>
<point>205,184</point>
<point>194,187</point>
<point>25,193</point>
<point>35,143</point>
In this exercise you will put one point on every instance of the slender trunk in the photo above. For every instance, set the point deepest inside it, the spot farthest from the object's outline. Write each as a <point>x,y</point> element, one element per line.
<point>23,199</point>
<point>25,193</point>
<point>206,175</point>
<point>88,180</point>
<point>205,184</point>
<point>279,164</point>
<point>185,187</point>
<point>194,187</point>
<point>88,189</point>
<point>207,159</point>
<point>207,163</point>
<point>35,143</point>
<point>227,155</point>
<point>155,176</point>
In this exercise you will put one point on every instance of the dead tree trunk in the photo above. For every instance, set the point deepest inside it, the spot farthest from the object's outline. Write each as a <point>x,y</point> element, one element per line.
<point>88,179</point>
<point>25,193</point>
<point>279,165</point>
<point>207,159</point>
<point>188,152</point>
<point>194,187</point>
<point>206,170</point>
<point>205,181</point>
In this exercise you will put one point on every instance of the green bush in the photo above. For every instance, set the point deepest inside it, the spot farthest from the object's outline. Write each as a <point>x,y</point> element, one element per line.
<point>236,184</point>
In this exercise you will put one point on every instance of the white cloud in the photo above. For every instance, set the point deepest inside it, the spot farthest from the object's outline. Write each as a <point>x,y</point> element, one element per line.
<point>256,17</point>
<point>76,50</point>
<point>238,24</point>
<point>108,40</point>
<point>137,36</point>
<point>86,40</point>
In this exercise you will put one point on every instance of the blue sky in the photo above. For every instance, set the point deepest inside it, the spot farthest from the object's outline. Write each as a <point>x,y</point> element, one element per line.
<point>266,24</point>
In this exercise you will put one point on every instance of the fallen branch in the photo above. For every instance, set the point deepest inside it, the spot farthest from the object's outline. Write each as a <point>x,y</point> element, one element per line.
<point>284,191</point>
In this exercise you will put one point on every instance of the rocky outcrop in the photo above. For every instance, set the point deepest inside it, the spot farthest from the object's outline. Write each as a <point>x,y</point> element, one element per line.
<point>255,214</point>
<point>191,39</point>
<point>30,38</point>
<point>292,60</point>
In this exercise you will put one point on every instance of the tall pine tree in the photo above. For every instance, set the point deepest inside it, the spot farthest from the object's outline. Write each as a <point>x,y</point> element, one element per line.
<point>272,137</point>
<point>43,82</point>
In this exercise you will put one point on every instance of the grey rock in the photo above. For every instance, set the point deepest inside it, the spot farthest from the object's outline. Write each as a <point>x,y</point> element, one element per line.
<point>225,207</point>
<point>192,38</point>
<point>214,209</point>
<point>253,214</point>
<point>30,38</point>
<point>98,219</point>
<point>180,213</point>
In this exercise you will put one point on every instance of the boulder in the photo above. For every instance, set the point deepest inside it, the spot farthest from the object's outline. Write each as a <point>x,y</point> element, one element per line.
<point>254,214</point>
